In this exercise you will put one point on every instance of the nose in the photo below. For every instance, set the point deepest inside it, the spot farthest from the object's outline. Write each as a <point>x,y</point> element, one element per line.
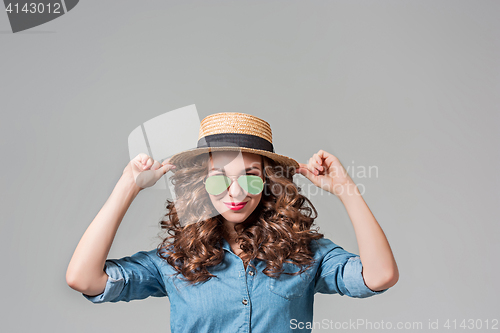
<point>235,190</point>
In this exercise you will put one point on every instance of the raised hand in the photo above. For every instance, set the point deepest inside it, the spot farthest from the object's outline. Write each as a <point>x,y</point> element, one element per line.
<point>325,171</point>
<point>145,171</point>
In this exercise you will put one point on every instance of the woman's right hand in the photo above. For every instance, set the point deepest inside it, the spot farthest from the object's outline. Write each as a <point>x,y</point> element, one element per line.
<point>145,172</point>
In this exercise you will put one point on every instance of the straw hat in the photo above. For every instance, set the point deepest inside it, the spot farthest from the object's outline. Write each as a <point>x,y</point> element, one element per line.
<point>234,131</point>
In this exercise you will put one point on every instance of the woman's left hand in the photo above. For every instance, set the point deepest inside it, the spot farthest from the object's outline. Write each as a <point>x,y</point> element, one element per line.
<point>325,171</point>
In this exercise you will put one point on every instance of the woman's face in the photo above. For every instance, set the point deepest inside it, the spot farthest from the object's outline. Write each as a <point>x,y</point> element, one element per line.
<point>233,165</point>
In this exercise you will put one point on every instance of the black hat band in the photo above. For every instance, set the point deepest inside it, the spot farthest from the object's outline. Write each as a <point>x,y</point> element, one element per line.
<point>236,140</point>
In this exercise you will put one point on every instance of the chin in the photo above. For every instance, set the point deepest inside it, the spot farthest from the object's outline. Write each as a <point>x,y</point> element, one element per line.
<point>234,218</point>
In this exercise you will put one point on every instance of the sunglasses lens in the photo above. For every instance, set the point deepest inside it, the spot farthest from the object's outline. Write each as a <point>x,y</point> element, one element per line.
<point>215,185</point>
<point>251,184</point>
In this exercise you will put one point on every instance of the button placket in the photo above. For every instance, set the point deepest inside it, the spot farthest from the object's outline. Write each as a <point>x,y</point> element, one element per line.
<point>248,284</point>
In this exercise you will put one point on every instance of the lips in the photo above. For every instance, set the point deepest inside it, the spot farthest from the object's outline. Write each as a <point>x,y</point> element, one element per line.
<point>235,205</point>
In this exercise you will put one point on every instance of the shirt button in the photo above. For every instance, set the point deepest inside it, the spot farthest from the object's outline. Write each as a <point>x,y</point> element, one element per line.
<point>245,302</point>
<point>251,272</point>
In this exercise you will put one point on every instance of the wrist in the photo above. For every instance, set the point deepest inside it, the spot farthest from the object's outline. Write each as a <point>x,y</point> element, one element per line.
<point>347,191</point>
<point>128,185</point>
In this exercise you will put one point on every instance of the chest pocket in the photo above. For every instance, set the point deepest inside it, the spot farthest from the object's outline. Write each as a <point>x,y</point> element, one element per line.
<point>289,286</point>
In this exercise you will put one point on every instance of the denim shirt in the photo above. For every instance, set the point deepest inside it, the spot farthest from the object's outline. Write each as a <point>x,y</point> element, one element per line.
<point>238,299</point>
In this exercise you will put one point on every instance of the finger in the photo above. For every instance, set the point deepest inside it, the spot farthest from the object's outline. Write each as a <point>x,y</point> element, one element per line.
<point>300,168</point>
<point>311,166</point>
<point>316,168</point>
<point>145,162</point>
<point>334,163</point>
<point>156,165</point>
<point>148,163</point>
<point>164,169</point>
<point>318,162</point>
<point>327,156</point>
<point>167,167</point>
<point>308,174</point>
<point>140,157</point>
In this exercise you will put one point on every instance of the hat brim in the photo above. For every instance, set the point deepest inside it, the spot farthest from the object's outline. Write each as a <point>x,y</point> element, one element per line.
<point>182,160</point>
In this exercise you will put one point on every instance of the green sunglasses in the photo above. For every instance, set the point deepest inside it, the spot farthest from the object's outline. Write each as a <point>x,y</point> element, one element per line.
<point>217,184</point>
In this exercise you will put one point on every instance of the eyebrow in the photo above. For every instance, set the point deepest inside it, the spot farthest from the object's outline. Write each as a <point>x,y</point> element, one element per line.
<point>247,169</point>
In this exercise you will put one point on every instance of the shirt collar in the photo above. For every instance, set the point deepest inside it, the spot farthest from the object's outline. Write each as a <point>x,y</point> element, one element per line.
<point>225,245</point>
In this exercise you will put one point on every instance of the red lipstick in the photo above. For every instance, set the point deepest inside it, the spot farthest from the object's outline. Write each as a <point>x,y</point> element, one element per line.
<point>235,205</point>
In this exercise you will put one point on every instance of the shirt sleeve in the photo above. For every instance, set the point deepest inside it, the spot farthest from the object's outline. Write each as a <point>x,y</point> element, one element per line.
<point>129,278</point>
<point>340,272</point>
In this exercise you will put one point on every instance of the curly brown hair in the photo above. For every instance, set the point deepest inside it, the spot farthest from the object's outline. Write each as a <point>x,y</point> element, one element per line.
<point>277,231</point>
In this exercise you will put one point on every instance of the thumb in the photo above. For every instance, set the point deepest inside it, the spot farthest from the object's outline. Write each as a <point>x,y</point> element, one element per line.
<point>165,168</point>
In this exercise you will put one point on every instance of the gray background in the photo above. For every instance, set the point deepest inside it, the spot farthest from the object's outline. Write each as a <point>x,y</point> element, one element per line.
<point>408,86</point>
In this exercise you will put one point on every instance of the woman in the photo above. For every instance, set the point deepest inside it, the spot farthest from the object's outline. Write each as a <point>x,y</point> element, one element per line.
<point>240,254</point>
